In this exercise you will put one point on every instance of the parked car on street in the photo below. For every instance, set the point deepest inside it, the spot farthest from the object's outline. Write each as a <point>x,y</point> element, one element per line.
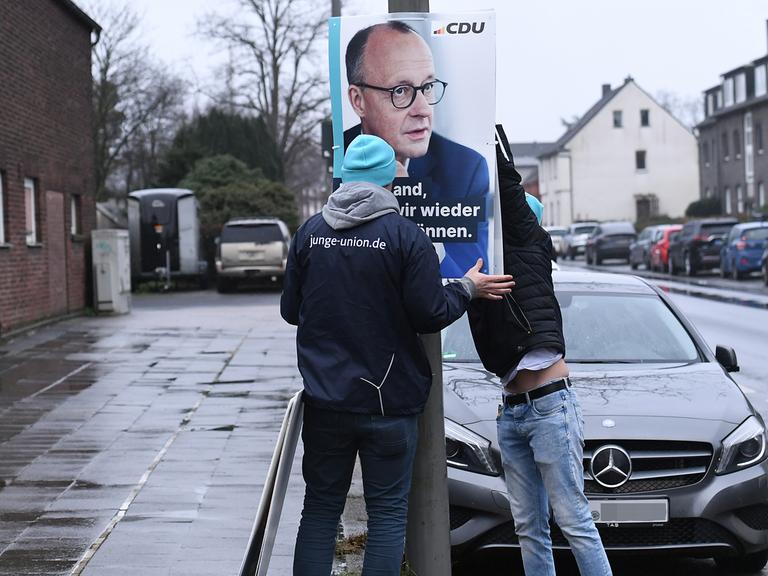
<point>660,250</point>
<point>697,246</point>
<point>253,249</point>
<point>576,239</point>
<point>609,240</point>
<point>557,233</point>
<point>674,456</point>
<point>640,249</point>
<point>742,251</point>
<point>764,266</point>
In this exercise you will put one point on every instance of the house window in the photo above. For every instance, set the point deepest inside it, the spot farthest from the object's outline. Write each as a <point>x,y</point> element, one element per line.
<point>728,92</point>
<point>705,153</point>
<point>75,226</point>
<point>739,200</point>
<point>736,144</point>
<point>640,160</point>
<point>710,105</point>
<point>741,88</point>
<point>617,121</point>
<point>726,154</point>
<point>718,99</point>
<point>761,87</point>
<point>707,193</point>
<point>645,117</point>
<point>727,200</point>
<point>758,129</point>
<point>3,239</point>
<point>30,210</point>
<point>761,195</point>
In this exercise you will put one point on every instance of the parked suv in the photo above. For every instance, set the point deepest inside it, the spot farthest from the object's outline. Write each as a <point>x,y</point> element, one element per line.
<point>251,249</point>
<point>575,241</point>
<point>697,246</point>
<point>610,240</point>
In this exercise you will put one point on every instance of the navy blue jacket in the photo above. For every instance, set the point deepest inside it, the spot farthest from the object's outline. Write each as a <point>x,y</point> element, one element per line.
<point>360,297</point>
<point>456,171</point>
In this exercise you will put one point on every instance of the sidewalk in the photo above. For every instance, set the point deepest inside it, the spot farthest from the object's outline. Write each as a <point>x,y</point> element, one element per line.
<point>139,444</point>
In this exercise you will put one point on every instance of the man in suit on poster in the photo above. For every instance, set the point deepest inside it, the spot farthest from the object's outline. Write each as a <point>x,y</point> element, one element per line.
<point>393,88</point>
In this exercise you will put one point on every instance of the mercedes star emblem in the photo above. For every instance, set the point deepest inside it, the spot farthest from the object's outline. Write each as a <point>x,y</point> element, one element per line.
<point>611,466</point>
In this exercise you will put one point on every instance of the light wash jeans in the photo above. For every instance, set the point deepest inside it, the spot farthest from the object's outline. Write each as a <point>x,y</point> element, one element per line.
<point>542,446</point>
<point>332,440</point>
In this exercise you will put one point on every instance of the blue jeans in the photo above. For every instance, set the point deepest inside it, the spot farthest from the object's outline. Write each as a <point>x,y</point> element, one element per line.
<point>387,445</point>
<point>542,445</point>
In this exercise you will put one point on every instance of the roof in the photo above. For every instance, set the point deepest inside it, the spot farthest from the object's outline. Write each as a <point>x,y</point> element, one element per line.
<point>600,282</point>
<point>78,13</point>
<point>178,192</point>
<point>533,149</point>
<point>583,121</point>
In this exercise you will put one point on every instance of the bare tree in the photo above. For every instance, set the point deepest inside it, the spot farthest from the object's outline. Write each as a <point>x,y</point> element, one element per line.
<point>133,98</point>
<point>688,110</point>
<point>275,69</point>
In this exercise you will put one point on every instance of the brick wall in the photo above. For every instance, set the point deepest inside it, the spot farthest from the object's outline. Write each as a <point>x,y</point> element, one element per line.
<point>45,134</point>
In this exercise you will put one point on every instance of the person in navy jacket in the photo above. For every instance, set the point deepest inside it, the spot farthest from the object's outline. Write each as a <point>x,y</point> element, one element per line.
<point>362,282</point>
<point>393,89</point>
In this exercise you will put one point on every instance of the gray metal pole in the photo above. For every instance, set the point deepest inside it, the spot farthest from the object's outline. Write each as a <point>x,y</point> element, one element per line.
<point>335,7</point>
<point>428,544</point>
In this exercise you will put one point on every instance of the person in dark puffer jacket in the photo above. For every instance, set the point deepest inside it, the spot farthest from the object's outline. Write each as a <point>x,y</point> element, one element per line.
<point>540,426</point>
<point>361,283</point>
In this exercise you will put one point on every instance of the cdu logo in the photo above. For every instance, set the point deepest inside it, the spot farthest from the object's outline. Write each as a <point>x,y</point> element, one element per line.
<point>458,28</point>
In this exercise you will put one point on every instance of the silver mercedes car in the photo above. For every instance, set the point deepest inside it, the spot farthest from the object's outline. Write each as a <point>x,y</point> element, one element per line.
<point>674,456</point>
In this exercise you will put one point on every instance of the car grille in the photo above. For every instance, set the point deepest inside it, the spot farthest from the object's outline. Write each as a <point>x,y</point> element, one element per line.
<point>459,516</point>
<point>678,532</point>
<point>656,465</point>
<point>756,517</point>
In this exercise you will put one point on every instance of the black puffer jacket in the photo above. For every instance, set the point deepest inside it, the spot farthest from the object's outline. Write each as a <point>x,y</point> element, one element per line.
<point>505,330</point>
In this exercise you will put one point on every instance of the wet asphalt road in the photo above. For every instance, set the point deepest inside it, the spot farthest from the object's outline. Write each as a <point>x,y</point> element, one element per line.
<point>153,432</point>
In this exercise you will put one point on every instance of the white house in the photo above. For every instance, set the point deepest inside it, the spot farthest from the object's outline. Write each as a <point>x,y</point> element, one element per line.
<point>626,159</point>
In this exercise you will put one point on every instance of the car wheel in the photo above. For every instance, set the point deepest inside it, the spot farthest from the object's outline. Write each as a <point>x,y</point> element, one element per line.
<point>735,274</point>
<point>633,265</point>
<point>723,271</point>
<point>765,273</point>
<point>671,266</point>
<point>690,269</point>
<point>597,259</point>
<point>748,563</point>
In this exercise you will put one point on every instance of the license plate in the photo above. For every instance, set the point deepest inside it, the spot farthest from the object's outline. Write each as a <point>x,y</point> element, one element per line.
<point>629,511</point>
<point>252,254</point>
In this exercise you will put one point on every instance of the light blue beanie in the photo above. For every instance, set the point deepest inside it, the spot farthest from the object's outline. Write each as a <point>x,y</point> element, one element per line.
<point>369,159</point>
<point>536,206</point>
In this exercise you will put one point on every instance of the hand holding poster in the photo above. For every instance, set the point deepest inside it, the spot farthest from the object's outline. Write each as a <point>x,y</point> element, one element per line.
<point>425,83</point>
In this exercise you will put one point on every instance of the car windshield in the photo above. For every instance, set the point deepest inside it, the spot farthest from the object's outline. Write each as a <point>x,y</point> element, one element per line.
<point>557,232</point>
<point>602,328</point>
<point>584,229</point>
<point>757,234</point>
<point>258,233</point>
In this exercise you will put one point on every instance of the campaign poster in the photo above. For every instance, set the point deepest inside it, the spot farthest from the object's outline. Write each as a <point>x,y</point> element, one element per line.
<point>425,83</point>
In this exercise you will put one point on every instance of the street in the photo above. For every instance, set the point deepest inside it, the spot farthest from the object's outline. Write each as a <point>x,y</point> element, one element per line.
<point>139,443</point>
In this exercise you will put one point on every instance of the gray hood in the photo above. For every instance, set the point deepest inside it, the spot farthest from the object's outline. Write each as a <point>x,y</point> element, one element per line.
<point>356,203</point>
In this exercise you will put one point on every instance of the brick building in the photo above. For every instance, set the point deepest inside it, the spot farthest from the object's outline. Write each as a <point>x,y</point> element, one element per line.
<point>733,156</point>
<point>47,207</point>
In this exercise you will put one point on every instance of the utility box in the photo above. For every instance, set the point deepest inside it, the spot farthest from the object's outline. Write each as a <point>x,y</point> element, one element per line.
<point>111,271</point>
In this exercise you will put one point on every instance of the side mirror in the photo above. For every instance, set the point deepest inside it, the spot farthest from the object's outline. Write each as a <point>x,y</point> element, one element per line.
<point>726,356</point>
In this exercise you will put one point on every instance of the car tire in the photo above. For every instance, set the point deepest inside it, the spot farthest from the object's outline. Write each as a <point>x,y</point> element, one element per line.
<point>597,259</point>
<point>746,564</point>
<point>723,271</point>
<point>671,266</point>
<point>223,285</point>
<point>765,273</point>
<point>633,265</point>
<point>690,269</point>
<point>735,274</point>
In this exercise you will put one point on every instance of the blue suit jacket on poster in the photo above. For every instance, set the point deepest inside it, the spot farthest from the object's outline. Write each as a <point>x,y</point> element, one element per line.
<point>456,171</point>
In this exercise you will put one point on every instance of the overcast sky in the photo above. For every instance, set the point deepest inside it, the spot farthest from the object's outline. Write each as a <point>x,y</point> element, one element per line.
<point>552,55</point>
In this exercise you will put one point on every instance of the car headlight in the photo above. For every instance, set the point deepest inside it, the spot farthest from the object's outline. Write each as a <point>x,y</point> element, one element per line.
<point>743,447</point>
<point>466,450</point>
